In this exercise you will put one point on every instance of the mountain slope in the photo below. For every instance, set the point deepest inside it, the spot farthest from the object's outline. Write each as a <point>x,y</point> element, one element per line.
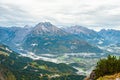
<point>46,28</point>
<point>5,74</point>
<point>110,77</point>
<point>13,35</point>
<point>18,67</point>
<point>78,29</point>
<point>47,38</point>
<point>110,36</point>
<point>86,34</point>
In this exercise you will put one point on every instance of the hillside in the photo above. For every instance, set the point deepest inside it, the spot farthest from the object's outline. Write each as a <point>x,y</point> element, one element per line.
<point>16,67</point>
<point>12,36</point>
<point>106,69</point>
<point>47,38</point>
<point>110,77</point>
<point>6,74</point>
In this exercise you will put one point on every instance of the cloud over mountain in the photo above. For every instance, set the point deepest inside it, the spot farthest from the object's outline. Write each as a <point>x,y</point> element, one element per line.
<point>93,14</point>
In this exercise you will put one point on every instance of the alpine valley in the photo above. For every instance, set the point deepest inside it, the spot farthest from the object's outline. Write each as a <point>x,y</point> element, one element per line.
<point>47,52</point>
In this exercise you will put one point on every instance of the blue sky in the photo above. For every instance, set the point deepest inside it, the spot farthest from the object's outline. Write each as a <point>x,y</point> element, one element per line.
<point>95,14</point>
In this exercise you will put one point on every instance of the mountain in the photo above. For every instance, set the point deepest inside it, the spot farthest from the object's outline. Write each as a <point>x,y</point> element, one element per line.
<point>86,34</point>
<point>20,33</point>
<point>44,38</point>
<point>13,66</point>
<point>102,38</point>
<point>13,36</point>
<point>5,34</point>
<point>46,28</point>
<point>79,29</point>
<point>110,36</point>
<point>47,38</point>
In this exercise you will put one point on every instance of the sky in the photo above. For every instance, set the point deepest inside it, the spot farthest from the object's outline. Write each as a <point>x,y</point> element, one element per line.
<point>94,14</point>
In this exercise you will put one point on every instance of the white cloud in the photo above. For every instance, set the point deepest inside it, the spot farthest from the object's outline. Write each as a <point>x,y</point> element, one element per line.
<point>94,14</point>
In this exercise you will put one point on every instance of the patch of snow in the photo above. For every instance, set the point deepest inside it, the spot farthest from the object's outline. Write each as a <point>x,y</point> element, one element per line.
<point>17,44</point>
<point>110,50</point>
<point>100,42</point>
<point>34,44</point>
<point>72,47</point>
<point>8,49</point>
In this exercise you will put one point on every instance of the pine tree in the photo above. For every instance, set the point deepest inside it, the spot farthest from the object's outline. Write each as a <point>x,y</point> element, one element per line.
<point>108,66</point>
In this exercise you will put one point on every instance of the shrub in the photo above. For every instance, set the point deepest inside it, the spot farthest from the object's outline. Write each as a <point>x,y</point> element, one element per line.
<point>108,66</point>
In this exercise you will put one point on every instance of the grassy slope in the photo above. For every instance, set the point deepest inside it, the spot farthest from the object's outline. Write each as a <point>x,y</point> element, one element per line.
<point>16,67</point>
<point>110,77</point>
<point>5,74</point>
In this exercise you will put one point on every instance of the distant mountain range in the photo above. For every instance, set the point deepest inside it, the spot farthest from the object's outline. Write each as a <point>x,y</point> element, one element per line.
<point>13,35</point>
<point>110,36</point>
<point>47,38</point>
<point>84,33</point>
